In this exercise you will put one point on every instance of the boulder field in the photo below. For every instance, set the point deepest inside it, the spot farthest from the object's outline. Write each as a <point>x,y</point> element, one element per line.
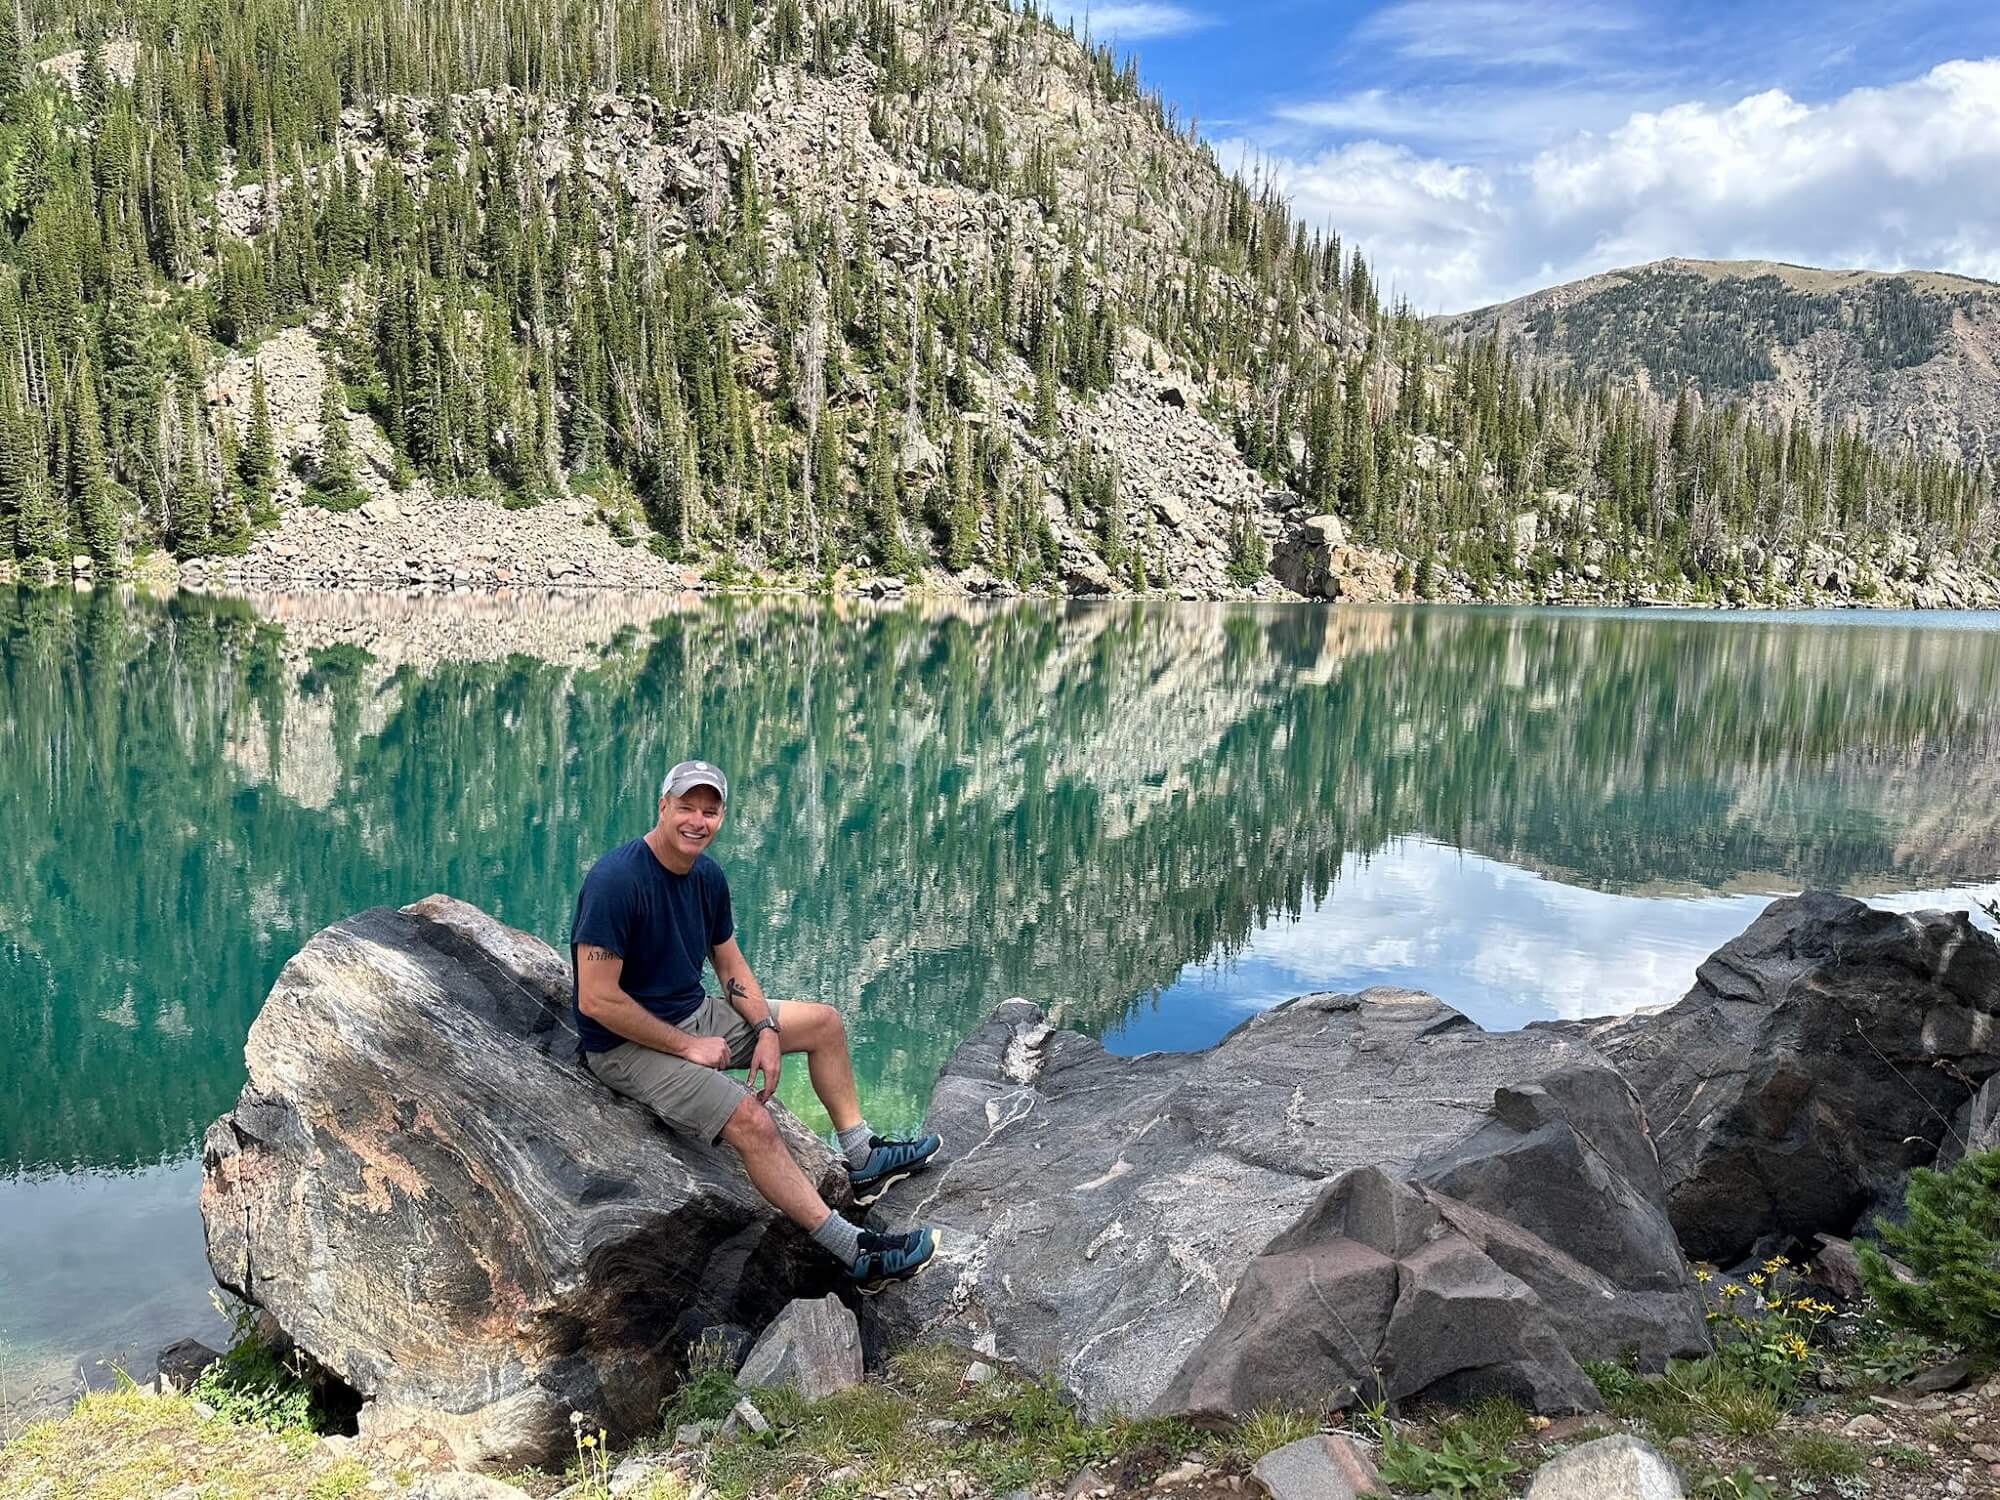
<point>1348,1198</point>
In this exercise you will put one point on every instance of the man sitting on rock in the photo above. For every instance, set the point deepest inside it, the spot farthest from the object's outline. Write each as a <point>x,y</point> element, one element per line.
<point>649,912</point>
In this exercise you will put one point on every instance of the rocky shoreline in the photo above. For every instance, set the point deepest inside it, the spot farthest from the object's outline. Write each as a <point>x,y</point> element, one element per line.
<point>1357,1237</point>
<point>1350,1200</point>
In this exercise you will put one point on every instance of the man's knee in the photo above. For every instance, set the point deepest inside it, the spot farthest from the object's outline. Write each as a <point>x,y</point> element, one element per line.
<point>750,1125</point>
<point>819,1025</point>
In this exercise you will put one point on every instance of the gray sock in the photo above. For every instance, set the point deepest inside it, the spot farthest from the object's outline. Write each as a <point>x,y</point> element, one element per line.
<point>839,1239</point>
<point>854,1141</point>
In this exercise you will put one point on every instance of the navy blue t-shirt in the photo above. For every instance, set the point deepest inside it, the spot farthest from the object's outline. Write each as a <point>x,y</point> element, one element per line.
<point>660,923</point>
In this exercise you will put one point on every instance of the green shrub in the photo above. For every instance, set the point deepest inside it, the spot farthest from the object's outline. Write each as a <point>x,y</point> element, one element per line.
<point>1249,553</point>
<point>1742,1484</point>
<point>252,1386</point>
<point>1950,1237</point>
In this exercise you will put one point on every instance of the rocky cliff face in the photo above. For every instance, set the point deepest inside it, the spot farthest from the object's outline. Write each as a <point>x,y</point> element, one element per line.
<point>1906,357</point>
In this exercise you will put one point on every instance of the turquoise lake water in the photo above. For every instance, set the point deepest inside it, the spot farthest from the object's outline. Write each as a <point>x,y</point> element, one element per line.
<point>1157,818</point>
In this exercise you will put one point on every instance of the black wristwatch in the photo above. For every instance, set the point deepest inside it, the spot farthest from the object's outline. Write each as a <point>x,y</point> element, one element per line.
<point>767,1024</point>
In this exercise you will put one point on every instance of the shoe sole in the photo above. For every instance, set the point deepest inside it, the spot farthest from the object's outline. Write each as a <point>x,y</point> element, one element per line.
<point>877,1189</point>
<point>883,1283</point>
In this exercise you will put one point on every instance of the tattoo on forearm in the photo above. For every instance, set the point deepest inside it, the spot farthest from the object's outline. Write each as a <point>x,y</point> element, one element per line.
<point>737,988</point>
<point>599,953</point>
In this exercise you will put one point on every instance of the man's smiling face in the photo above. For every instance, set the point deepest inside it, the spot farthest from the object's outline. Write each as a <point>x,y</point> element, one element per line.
<point>689,821</point>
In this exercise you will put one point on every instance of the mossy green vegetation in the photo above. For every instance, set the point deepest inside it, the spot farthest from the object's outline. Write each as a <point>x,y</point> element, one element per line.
<point>130,1444</point>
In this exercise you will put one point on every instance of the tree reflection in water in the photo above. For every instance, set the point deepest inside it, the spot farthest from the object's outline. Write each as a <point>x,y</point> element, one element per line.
<point>934,807</point>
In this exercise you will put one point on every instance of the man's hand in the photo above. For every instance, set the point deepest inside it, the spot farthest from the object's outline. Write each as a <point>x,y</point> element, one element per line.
<point>707,1052</point>
<point>767,1058</point>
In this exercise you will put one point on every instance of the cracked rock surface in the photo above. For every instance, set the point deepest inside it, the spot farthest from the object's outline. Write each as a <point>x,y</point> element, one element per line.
<point>1346,1190</point>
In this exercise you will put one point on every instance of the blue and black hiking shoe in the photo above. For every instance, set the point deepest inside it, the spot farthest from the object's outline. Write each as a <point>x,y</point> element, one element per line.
<point>891,1257</point>
<point>889,1162</point>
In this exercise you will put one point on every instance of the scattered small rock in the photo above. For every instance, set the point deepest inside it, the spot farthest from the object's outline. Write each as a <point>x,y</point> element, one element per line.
<point>814,1345</point>
<point>180,1364</point>
<point>634,1474</point>
<point>980,1373</point>
<point>1325,1466</point>
<point>1613,1468</point>
<point>1867,1425</point>
<point>459,1486</point>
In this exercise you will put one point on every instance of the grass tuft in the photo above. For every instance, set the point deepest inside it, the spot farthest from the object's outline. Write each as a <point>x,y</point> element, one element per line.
<point>1821,1455</point>
<point>1265,1431</point>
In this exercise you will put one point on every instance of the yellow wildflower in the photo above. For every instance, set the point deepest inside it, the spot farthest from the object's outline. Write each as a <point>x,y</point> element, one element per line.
<point>1702,1273</point>
<point>1755,1278</point>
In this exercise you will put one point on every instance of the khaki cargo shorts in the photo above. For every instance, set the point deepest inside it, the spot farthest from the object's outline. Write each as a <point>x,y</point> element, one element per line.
<point>689,1098</point>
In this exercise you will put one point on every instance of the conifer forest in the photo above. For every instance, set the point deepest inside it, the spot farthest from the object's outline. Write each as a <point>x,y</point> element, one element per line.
<point>791,286</point>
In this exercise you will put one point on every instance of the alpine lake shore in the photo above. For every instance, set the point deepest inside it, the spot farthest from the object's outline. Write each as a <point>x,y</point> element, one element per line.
<point>1712,1332</point>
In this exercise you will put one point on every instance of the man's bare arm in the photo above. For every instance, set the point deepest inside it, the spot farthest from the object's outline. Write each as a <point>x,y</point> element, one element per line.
<point>739,985</point>
<point>599,996</point>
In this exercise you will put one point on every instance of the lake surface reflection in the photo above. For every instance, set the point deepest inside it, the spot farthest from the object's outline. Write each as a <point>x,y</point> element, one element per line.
<point>1157,817</point>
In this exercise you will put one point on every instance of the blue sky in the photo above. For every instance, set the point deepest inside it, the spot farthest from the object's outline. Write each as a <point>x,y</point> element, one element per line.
<point>1478,149</point>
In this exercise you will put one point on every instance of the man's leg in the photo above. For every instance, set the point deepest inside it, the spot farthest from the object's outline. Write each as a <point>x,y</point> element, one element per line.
<point>870,1258</point>
<point>754,1134</point>
<point>874,1165</point>
<point>818,1031</point>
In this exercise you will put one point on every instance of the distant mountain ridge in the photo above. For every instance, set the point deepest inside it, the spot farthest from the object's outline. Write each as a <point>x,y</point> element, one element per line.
<point>1912,356</point>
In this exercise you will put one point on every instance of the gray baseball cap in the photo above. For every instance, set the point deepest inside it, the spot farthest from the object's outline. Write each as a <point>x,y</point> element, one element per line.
<point>693,773</point>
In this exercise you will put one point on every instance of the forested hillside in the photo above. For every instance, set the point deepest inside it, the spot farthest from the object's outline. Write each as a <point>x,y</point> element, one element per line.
<point>771,288</point>
<point>1907,357</point>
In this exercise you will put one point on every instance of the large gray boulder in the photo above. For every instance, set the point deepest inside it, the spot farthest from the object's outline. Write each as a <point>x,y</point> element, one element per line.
<point>1819,1057</point>
<point>1346,1190</point>
<point>1316,560</point>
<point>443,1208</point>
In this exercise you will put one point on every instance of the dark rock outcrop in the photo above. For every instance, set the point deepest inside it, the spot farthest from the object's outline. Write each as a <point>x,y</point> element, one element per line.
<point>1819,1057</point>
<point>1347,1190</point>
<point>182,1362</point>
<point>1316,560</point>
<point>443,1209</point>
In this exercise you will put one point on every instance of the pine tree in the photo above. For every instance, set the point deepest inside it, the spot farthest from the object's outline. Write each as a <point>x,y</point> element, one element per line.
<point>93,506</point>
<point>13,60</point>
<point>192,505</point>
<point>333,471</point>
<point>229,521</point>
<point>257,464</point>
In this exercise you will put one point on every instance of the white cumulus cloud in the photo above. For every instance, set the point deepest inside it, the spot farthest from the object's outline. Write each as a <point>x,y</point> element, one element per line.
<point>1900,176</point>
<point>1133,22</point>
